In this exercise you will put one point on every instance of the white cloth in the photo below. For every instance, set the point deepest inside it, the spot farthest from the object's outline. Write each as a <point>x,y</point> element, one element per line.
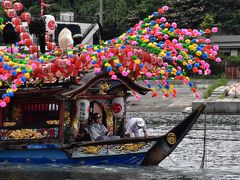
<point>133,129</point>
<point>97,130</point>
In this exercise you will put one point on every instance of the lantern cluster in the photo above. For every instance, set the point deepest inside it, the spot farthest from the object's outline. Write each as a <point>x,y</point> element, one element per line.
<point>153,49</point>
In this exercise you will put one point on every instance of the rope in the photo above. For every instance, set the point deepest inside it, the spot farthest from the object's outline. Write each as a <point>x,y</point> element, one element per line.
<point>204,141</point>
<point>173,161</point>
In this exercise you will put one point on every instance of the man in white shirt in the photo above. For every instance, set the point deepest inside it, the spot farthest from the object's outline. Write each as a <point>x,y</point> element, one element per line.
<point>133,127</point>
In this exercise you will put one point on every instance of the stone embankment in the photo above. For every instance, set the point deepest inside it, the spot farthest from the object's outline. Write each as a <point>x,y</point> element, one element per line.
<point>185,100</point>
<point>220,102</point>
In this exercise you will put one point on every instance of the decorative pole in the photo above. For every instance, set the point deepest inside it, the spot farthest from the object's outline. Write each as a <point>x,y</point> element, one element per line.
<point>42,7</point>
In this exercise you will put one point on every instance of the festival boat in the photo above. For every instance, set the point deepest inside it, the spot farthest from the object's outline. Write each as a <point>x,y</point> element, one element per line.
<point>34,126</point>
<point>47,94</point>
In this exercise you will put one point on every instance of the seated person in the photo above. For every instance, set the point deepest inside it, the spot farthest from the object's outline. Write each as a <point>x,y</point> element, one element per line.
<point>133,127</point>
<point>98,131</point>
<point>83,134</point>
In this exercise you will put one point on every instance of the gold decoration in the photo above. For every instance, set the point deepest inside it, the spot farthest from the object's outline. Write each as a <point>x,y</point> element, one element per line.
<point>104,88</point>
<point>25,134</point>
<point>109,116</point>
<point>171,138</point>
<point>91,149</point>
<point>8,124</point>
<point>132,147</point>
<point>53,122</point>
<point>67,118</point>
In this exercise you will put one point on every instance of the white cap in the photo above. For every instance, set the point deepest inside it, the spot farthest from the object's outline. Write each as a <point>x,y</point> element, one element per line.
<point>140,122</point>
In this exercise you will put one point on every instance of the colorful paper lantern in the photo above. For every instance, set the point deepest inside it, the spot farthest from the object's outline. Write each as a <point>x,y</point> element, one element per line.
<point>118,107</point>
<point>28,42</point>
<point>18,6</point>
<point>25,16</point>
<point>20,28</point>
<point>16,21</point>
<point>33,48</point>
<point>7,4</point>
<point>83,107</point>
<point>51,46</point>
<point>50,24</point>
<point>11,13</point>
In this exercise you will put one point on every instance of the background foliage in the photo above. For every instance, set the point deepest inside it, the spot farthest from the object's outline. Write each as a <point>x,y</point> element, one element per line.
<point>120,15</point>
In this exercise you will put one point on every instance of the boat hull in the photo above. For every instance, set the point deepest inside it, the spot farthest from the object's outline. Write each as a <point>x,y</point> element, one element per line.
<point>55,156</point>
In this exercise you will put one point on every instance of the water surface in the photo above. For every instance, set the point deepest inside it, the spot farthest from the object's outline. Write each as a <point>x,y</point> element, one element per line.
<point>221,160</point>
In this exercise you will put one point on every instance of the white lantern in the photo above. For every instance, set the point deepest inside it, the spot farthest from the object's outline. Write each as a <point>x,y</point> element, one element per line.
<point>118,107</point>
<point>50,24</point>
<point>82,109</point>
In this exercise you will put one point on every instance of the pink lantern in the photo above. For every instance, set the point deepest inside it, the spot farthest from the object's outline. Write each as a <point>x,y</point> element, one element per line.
<point>16,21</point>
<point>11,13</point>
<point>7,4</point>
<point>18,6</point>
<point>25,16</point>
<point>3,104</point>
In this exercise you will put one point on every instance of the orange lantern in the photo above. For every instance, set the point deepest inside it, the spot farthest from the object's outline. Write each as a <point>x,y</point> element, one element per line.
<point>18,6</point>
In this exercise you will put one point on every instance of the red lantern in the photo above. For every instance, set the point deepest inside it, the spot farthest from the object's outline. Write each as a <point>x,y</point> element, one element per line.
<point>11,13</point>
<point>6,99</point>
<point>24,35</point>
<point>51,46</point>
<point>33,48</point>
<point>28,42</point>
<point>54,68</point>
<point>7,4</point>
<point>20,28</point>
<point>18,6</point>
<point>25,16</point>
<point>16,21</point>
<point>83,58</point>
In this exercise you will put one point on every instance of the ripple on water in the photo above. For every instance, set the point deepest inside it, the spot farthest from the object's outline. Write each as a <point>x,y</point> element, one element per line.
<point>222,158</point>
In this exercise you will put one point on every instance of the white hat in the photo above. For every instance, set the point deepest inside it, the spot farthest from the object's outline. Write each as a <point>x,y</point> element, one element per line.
<point>140,122</point>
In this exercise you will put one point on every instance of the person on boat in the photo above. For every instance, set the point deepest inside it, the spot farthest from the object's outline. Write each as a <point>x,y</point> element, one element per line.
<point>99,132</point>
<point>134,126</point>
<point>83,134</point>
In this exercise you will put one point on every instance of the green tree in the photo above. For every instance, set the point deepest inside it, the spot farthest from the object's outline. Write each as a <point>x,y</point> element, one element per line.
<point>207,22</point>
<point>187,13</point>
<point>227,14</point>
